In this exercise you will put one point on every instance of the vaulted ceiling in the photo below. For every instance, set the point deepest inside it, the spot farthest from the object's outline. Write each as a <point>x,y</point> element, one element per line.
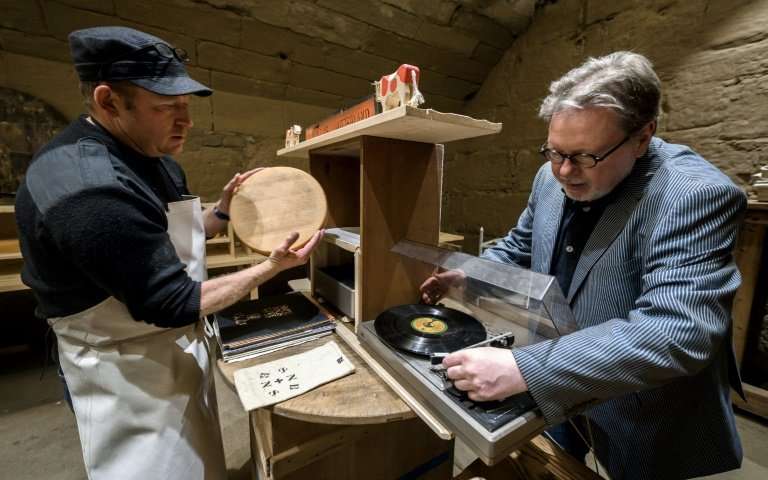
<point>338,47</point>
<point>318,52</point>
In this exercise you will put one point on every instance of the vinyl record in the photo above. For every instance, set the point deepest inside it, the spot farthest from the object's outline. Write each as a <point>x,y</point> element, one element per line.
<point>427,329</point>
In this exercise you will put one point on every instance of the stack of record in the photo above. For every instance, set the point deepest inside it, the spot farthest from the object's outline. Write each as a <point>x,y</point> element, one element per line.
<point>257,327</point>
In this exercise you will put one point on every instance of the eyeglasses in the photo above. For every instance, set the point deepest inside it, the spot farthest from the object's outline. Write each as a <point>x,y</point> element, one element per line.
<point>164,50</point>
<point>584,160</point>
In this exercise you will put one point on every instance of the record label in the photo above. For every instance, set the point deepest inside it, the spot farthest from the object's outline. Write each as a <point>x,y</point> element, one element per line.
<point>431,325</point>
<point>427,329</point>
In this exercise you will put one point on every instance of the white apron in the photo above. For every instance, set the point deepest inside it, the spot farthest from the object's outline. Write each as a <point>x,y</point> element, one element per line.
<point>144,396</point>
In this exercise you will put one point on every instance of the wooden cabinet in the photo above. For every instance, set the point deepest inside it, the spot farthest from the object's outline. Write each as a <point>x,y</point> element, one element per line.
<point>383,179</point>
<point>749,257</point>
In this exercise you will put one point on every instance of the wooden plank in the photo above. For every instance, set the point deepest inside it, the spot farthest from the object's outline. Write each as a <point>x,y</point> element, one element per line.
<point>227,260</point>
<point>539,459</point>
<point>754,205</point>
<point>340,179</point>
<point>299,456</point>
<point>383,451</point>
<point>400,199</point>
<point>218,240</point>
<point>11,283</point>
<point>261,441</point>
<point>358,112</point>
<point>402,123</point>
<point>351,340</point>
<point>446,237</point>
<point>757,400</point>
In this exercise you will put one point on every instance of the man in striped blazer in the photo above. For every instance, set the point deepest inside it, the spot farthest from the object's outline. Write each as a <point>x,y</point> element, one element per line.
<point>639,234</point>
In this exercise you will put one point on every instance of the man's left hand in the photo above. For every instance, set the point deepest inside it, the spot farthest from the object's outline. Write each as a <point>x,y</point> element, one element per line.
<point>485,373</point>
<point>231,187</point>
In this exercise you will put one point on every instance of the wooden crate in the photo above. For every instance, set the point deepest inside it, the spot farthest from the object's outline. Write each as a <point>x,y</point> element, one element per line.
<point>288,449</point>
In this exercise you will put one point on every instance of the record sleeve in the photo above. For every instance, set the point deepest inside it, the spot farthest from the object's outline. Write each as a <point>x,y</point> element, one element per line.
<point>267,318</point>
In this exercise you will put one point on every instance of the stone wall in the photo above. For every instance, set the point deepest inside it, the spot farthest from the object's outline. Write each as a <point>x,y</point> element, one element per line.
<point>277,63</point>
<point>236,129</point>
<point>26,124</point>
<point>711,55</point>
<point>271,63</point>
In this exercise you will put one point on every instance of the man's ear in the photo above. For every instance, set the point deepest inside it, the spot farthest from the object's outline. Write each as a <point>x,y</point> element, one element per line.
<point>105,99</point>
<point>646,133</point>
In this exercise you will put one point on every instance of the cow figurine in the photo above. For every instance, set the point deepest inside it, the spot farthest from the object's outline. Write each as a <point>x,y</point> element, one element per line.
<point>292,136</point>
<point>399,88</point>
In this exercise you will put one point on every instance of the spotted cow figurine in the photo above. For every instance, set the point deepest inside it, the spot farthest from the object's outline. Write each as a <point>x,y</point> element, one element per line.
<point>399,88</point>
<point>292,136</point>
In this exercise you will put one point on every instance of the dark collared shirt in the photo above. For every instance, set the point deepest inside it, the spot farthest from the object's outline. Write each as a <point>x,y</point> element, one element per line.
<point>578,221</point>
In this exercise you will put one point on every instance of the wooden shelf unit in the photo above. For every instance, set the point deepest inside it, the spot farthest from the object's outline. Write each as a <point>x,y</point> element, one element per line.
<point>748,253</point>
<point>10,252</point>
<point>383,180</point>
<point>383,175</point>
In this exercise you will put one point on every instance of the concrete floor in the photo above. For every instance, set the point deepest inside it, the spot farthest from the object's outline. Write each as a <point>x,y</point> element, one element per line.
<point>39,435</point>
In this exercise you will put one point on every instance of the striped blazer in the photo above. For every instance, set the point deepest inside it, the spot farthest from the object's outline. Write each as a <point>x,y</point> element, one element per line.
<point>651,363</point>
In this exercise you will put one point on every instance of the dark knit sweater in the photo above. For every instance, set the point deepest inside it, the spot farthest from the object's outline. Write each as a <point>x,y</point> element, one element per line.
<point>92,224</point>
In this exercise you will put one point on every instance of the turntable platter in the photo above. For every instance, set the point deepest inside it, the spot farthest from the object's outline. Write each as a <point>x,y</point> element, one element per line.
<point>426,329</point>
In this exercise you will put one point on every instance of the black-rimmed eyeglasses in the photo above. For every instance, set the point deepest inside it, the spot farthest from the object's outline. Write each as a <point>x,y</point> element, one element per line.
<point>584,160</point>
<point>164,50</point>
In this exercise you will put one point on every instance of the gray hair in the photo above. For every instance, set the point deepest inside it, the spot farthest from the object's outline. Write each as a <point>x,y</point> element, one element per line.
<point>624,81</point>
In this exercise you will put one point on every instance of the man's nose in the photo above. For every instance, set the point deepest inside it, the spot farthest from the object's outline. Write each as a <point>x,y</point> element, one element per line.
<point>185,118</point>
<point>567,168</point>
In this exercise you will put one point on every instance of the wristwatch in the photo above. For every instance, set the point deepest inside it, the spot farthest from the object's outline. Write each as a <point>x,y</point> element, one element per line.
<point>219,214</point>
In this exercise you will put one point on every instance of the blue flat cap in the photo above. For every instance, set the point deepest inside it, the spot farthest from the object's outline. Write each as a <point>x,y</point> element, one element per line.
<point>104,54</point>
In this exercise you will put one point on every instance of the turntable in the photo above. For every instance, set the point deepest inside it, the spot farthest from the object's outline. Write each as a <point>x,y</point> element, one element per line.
<point>496,304</point>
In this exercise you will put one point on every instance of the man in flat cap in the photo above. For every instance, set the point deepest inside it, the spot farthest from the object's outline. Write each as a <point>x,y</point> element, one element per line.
<point>114,251</point>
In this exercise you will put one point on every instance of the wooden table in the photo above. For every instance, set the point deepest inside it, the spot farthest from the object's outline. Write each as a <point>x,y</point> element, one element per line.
<point>354,427</point>
<point>357,399</point>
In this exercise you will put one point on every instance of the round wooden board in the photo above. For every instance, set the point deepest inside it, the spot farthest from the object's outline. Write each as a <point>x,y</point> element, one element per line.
<point>274,202</point>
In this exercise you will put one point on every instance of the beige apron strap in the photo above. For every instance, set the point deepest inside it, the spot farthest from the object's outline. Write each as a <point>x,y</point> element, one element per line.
<point>187,232</point>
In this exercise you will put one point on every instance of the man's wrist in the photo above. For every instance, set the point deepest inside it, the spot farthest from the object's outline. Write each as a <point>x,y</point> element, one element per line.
<point>219,214</point>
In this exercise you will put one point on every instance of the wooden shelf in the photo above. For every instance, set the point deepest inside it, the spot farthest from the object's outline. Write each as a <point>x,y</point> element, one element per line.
<point>226,260</point>
<point>346,238</point>
<point>218,240</point>
<point>11,283</point>
<point>402,123</point>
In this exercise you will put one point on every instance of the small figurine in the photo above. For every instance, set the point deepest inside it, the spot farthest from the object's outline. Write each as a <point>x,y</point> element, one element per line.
<point>760,184</point>
<point>399,88</point>
<point>292,136</point>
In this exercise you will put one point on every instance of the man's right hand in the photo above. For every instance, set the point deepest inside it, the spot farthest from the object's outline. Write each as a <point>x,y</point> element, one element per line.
<point>284,257</point>
<point>436,286</point>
